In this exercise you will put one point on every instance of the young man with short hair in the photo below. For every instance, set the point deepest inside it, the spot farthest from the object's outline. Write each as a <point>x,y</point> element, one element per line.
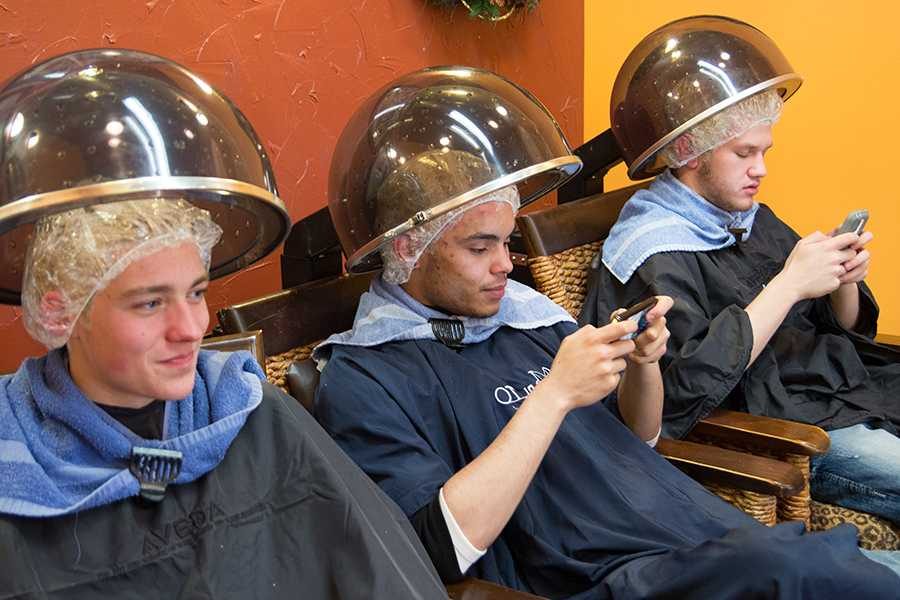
<point>135,464</point>
<point>764,321</point>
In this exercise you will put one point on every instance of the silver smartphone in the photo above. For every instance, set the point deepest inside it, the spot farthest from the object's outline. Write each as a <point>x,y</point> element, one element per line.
<point>855,222</point>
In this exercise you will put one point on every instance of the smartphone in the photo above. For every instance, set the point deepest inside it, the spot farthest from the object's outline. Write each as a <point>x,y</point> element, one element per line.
<point>637,313</point>
<point>855,222</point>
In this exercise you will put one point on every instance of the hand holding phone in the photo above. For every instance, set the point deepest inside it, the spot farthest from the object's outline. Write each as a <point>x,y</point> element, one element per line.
<point>637,313</point>
<point>857,267</point>
<point>855,222</point>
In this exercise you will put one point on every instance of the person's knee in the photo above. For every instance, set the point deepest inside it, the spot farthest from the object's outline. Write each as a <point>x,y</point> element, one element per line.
<point>775,564</point>
<point>766,561</point>
<point>805,569</point>
<point>869,458</point>
<point>863,441</point>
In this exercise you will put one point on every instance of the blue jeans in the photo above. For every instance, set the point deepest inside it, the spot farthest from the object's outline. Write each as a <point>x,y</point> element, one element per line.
<point>888,558</point>
<point>861,471</point>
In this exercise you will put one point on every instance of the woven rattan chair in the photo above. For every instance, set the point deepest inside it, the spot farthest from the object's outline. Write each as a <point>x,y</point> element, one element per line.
<point>294,320</point>
<point>562,242</point>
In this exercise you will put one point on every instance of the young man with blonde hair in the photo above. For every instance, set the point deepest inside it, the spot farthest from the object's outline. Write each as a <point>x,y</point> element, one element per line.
<point>136,464</point>
<point>764,321</point>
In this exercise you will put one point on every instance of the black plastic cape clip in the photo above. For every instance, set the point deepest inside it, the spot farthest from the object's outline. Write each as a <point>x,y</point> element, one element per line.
<point>738,233</point>
<point>154,469</point>
<point>449,332</point>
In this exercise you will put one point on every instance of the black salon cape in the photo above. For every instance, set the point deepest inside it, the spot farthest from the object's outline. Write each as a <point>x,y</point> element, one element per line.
<point>812,370</point>
<point>285,515</point>
<point>604,517</point>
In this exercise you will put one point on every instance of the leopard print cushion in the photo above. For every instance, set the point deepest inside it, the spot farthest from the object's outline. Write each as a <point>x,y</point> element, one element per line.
<point>875,533</point>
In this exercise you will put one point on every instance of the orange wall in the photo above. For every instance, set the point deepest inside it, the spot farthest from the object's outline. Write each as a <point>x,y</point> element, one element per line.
<point>838,136</point>
<point>298,69</point>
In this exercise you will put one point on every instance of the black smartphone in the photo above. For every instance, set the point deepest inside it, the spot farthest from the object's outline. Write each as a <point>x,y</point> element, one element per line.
<point>855,222</point>
<point>637,313</point>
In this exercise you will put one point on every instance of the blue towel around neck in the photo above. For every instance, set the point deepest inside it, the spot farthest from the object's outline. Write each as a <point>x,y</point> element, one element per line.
<point>669,217</point>
<point>60,453</point>
<point>387,313</point>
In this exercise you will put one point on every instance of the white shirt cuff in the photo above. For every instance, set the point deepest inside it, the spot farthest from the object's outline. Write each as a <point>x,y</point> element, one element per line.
<point>652,441</point>
<point>466,553</point>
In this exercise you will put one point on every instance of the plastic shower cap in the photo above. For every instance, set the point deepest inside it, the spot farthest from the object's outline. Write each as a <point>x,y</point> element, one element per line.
<point>397,269</point>
<point>722,127</point>
<point>75,254</point>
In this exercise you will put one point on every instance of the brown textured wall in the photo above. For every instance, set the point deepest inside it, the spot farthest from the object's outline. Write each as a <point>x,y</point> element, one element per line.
<point>298,69</point>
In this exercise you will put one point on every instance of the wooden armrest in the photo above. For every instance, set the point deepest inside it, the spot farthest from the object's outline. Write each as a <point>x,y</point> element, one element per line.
<point>888,339</point>
<point>302,379</point>
<point>709,464</point>
<point>765,433</point>
<point>478,589</point>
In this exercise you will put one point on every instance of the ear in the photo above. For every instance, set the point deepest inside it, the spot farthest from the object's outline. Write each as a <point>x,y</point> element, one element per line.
<point>53,312</point>
<point>403,247</point>
<point>684,147</point>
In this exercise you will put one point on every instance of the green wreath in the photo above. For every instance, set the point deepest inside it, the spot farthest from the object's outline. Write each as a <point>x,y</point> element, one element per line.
<point>491,10</point>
